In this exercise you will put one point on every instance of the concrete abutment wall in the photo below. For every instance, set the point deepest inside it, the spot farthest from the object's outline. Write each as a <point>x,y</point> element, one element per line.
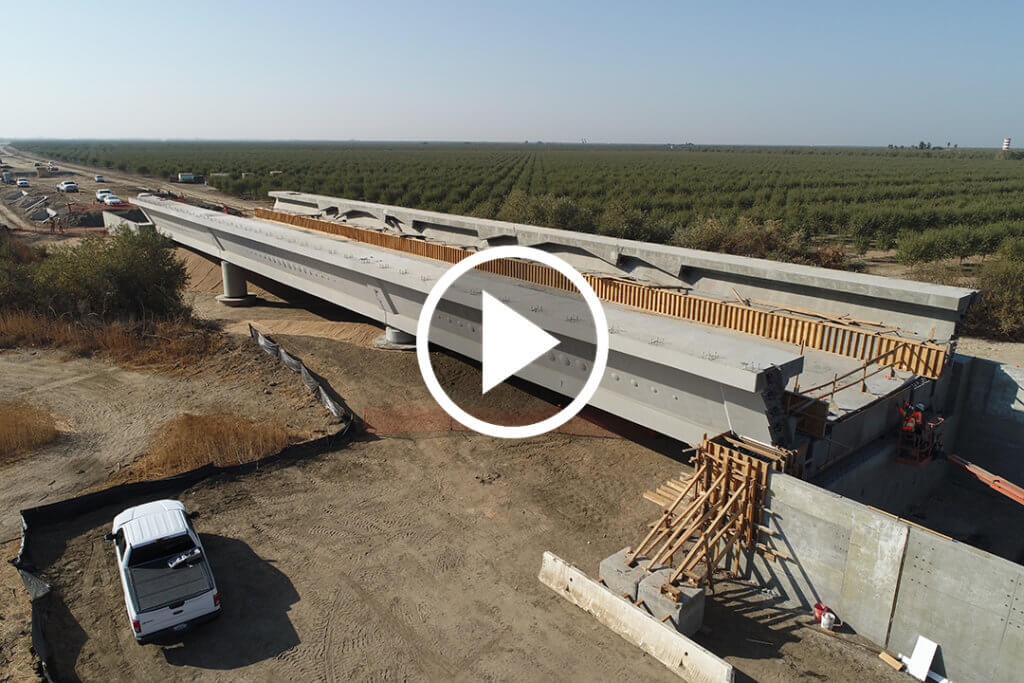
<point>994,406</point>
<point>891,581</point>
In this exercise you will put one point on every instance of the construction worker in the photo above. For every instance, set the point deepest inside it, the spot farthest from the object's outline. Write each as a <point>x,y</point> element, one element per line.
<point>907,415</point>
<point>918,417</point>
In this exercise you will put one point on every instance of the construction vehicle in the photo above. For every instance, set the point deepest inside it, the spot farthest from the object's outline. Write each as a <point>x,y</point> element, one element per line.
<point>920,446</point>
<point>167,581</point>
<point>995,482</point>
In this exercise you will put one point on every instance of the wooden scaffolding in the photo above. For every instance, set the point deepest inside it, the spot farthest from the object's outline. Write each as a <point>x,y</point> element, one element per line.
<point>712,516</point>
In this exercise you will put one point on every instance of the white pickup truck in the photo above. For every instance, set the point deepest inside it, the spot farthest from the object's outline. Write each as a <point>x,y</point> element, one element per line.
<point>167,582</point>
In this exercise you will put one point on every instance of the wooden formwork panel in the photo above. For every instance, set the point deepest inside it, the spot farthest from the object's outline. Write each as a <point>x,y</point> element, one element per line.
<point>921,358</point>
<point>709,515</point>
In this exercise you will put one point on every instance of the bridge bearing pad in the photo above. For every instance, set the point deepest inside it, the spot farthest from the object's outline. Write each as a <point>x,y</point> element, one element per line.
<point>621,577</point>
<point>247,300</point>
<point>394,339</point>
<point>686,616</point>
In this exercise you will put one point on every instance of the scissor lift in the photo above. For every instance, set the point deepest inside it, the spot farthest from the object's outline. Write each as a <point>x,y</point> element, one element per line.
<point>917,448</point>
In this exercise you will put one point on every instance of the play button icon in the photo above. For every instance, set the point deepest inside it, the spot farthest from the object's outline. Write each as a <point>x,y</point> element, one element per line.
<point>510,342</point>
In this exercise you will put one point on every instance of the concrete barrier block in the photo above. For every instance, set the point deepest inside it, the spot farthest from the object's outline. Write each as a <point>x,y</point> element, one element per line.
<point>686,616</point>
<point>621,576</point>
<point>682,656</point>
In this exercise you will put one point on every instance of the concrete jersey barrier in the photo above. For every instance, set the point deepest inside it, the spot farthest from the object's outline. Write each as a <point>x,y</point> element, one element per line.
<point>681,655</point>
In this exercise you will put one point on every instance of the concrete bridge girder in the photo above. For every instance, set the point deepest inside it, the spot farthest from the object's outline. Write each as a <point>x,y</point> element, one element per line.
<point>923,310</point>
<point>672,376</point>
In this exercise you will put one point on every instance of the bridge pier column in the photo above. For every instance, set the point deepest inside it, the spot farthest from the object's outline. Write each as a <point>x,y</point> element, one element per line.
<point>236,291</point>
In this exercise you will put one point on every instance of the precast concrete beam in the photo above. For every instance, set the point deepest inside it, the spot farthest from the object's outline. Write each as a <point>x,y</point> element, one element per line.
<point>925,311</point>
<point>676,377</point>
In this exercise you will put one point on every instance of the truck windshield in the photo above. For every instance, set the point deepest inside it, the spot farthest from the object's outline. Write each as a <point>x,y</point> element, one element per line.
<point>159,550</point>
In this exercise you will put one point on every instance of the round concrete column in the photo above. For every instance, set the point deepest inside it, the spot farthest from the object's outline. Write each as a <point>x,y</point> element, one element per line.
<point>236,291</point>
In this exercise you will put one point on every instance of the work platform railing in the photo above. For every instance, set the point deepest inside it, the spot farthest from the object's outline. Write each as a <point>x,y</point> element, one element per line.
<point>850,339</point>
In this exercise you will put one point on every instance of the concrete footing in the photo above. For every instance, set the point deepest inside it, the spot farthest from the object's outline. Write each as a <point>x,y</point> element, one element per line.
<point>687,615</point>
<point>395,339</point>
<point>236,292</point>
<point>622,577</point>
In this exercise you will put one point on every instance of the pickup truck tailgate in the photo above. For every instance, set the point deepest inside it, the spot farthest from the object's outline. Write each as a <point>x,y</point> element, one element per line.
<point>157,586</point>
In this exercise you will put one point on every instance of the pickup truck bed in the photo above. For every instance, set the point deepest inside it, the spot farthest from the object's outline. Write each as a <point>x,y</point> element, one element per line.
<point>155,585</point>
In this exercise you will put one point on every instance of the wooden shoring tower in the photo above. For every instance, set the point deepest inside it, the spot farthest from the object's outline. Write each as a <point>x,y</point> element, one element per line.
<point>713,515</point>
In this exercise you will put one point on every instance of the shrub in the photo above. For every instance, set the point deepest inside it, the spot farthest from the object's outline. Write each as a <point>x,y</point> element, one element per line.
<point>189,441</point>
<point>1000,313</point>
<point>127,276</point>
<point>23,428</point>
<point>747,238</point>
<point>152,343</point>
<point>1012,249</point>
<point>546,210</point>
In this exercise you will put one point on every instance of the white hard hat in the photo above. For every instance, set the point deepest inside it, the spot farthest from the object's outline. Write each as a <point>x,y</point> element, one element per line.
<point>920,406</point>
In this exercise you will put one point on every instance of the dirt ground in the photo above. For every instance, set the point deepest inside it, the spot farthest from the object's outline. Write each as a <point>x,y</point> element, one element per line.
<point>402,558</point>
<point>106,414</point>
<point>406,557</point>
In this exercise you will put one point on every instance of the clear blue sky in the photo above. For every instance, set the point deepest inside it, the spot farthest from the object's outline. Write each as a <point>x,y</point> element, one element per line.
<point>740,73</point>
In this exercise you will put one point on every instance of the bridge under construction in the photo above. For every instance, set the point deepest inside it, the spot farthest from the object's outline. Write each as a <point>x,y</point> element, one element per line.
<point>806,359</point>
<point>771,372</point>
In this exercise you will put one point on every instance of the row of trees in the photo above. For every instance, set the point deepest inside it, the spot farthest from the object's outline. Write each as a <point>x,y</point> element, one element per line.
<point>959,241</point>
<point>866,195</point>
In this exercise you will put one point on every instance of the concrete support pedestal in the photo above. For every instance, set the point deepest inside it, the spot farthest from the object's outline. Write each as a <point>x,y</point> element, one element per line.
<point>395,339</point>
<point>236,291</point>
<point>687,615</point>
<point>622,577</point>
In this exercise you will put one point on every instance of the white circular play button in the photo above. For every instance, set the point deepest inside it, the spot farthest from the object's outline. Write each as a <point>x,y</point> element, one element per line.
<point>511,342</point>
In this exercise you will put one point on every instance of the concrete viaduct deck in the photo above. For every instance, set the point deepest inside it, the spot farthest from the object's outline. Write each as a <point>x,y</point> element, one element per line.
<point>675,376</point>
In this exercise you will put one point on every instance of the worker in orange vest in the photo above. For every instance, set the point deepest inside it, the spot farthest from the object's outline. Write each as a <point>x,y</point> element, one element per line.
<point>911,417</point>
<point>918,416</point>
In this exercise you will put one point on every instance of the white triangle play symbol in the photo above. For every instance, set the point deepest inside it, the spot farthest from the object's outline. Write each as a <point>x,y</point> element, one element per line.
<point>510,341</point>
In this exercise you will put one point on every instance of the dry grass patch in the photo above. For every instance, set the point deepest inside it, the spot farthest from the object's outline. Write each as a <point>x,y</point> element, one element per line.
<point>189,441</point>
<point>23,428</point>
<point>156,344</point>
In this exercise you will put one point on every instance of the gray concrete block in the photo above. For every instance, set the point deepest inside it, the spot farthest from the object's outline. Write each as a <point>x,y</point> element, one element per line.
<point>621,577</point>
<point>687,615</point>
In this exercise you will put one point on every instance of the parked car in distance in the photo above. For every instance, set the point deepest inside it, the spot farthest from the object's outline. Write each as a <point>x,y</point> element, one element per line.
<point>67,186</point>
<point>36,164</point>
<point>167,581</point>
<point>101,193</point>
<point>22,182</point>
<point>99,179</point>
<point>112,200</point>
